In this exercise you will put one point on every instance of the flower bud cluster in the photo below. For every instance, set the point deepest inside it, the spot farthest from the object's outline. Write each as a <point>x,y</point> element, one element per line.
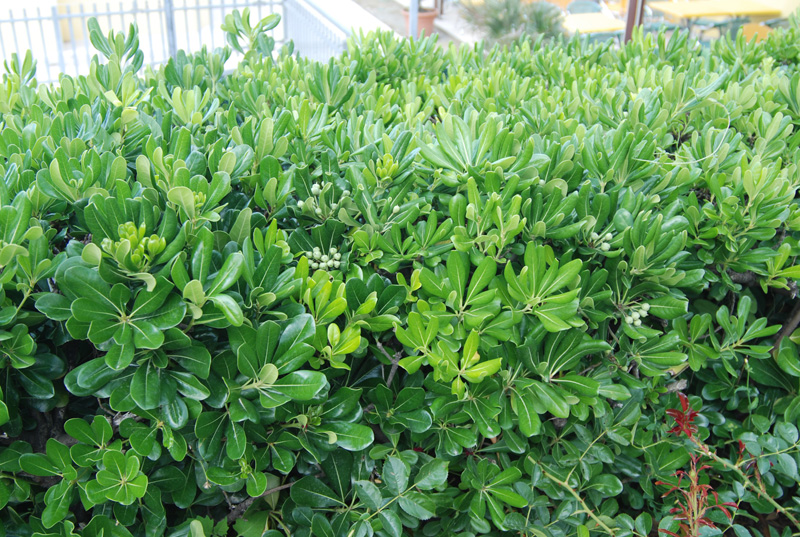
<point>324,260</point>
<point>312,204</point>
<point>602,242</point>
<point>637,313</point>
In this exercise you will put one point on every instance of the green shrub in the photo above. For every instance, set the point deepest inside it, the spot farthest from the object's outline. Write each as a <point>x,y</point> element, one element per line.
<point>410,291</point>
<point>506,20</point>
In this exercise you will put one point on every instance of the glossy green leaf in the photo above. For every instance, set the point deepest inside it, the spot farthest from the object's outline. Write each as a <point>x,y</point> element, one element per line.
<point>311,492</point>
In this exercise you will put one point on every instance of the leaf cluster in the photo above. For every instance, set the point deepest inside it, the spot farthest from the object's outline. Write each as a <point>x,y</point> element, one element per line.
<point>409,291</point>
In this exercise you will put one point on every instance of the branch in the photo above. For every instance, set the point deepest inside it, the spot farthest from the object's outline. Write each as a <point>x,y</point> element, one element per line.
<point>746,482</point>
<point>577,496</point>
<point>240,508</point>
<point>44,482</point>
<point>395,360</point>
<point>745,278</point>
<point>788,327</point>
<point>749,278</point>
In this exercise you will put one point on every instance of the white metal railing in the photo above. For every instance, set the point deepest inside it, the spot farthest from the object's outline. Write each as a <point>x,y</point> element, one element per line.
<point>315,32</point>
<point>55,30</point>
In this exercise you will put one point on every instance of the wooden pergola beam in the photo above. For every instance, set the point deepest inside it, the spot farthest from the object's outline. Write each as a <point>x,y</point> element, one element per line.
<point>635,17</point>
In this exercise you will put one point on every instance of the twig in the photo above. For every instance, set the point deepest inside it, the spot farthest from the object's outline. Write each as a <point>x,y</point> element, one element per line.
<point>788,328</point>
<point>577,496</point>
<point>749,278</point>
<point>108,411</point>
<point>395,360</point>
<point>392,372</point>
<point>745,278</point>
<point>240,508</point>
<point>747,483</point>
<point>44,482</point>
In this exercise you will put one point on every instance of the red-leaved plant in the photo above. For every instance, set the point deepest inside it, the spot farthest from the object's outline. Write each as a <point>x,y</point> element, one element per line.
<point>692,501</point>
<point>684,418</point>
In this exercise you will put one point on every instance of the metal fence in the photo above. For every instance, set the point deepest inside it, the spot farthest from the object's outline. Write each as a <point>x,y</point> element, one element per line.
<point>315,32</point>
<point>57,35</point>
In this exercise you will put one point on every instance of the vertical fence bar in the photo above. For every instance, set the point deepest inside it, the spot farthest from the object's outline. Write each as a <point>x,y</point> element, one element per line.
<point>413,19</point>
<point>42,34</point>
<point>121,17</point>
<point>211,22</point>
<point>188,47</point>
<point>149,31</point>
<point>199,27</point>
<point>14,31</point>
<point>283,28</point>
<point>28,29</point>
<point>87,48</point>
<point>169,23</point>
<point>284,15</point>
<point>72,41</point>
<point>59,40</point>
<point>109,14</point>
<point>162,32</point>
<point>2,44</point>
<point>134,16</point>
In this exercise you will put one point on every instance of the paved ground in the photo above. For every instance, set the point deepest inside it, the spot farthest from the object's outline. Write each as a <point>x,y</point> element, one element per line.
<point>391,13</point>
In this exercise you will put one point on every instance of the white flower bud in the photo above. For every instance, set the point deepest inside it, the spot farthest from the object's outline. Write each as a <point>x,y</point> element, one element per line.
<point>317,254</point>
<point>315,189</point>
<point>636,315</point>
<point>337,256</point>
<point>318,211</point>
<point>346,193</point>
<point>637,322</point>
<point>332,251</point>
<point>301,204</point>
<point>542,182</point>
<point>395,209</point>
<point>594,236</point>
<point>628,319</point>
<point>605,247</point>
<point>608,237</point>
<point>336,264</point>
<point>324,258</point>
<point>315,265</point>
<point>646,306</point>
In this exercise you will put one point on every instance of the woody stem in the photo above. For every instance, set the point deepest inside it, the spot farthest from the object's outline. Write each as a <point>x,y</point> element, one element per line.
<point>746,481</point>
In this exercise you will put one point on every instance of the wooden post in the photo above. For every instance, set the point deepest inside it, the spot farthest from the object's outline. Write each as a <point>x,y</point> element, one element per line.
<point>634,18</point>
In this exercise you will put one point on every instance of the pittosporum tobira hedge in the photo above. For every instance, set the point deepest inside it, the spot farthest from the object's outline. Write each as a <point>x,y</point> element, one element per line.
<point>544,290</point>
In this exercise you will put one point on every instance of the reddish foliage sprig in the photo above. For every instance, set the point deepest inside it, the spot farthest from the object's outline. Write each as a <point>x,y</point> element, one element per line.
<point>684,418</point>
<point>692,505</point>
